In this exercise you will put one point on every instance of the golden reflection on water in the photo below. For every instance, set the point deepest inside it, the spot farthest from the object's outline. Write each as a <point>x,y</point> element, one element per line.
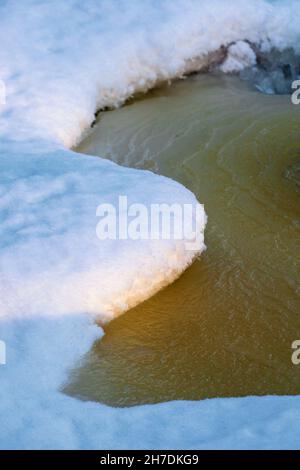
<point>225,328</point>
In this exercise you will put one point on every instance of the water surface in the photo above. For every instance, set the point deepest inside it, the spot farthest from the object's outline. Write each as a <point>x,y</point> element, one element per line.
<point>225,328</point>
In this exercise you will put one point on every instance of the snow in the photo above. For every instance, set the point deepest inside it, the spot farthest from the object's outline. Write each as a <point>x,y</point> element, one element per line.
<point>59,62</point>
<point>240,55</point>
<point>51,257</point>
<point>35,415</point>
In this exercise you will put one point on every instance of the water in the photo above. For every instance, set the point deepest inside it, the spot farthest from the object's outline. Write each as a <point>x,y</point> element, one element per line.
<point>225,328</point>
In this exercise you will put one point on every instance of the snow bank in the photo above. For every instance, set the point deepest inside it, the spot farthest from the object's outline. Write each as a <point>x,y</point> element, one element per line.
<point>51,258</point>
<point>60,61</point>
<point>63,60</point>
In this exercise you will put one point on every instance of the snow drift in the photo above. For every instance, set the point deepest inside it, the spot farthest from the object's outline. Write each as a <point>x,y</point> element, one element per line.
<point>60,62</point>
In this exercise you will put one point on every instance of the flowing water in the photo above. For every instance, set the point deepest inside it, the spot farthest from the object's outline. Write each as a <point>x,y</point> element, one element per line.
<point>225,328</point>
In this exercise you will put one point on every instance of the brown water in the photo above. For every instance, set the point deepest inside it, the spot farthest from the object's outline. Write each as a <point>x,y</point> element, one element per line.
<point>225,328</point>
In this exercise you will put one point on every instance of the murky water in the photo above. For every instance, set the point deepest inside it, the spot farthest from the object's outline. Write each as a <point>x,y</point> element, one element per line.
<point>225,328</point>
